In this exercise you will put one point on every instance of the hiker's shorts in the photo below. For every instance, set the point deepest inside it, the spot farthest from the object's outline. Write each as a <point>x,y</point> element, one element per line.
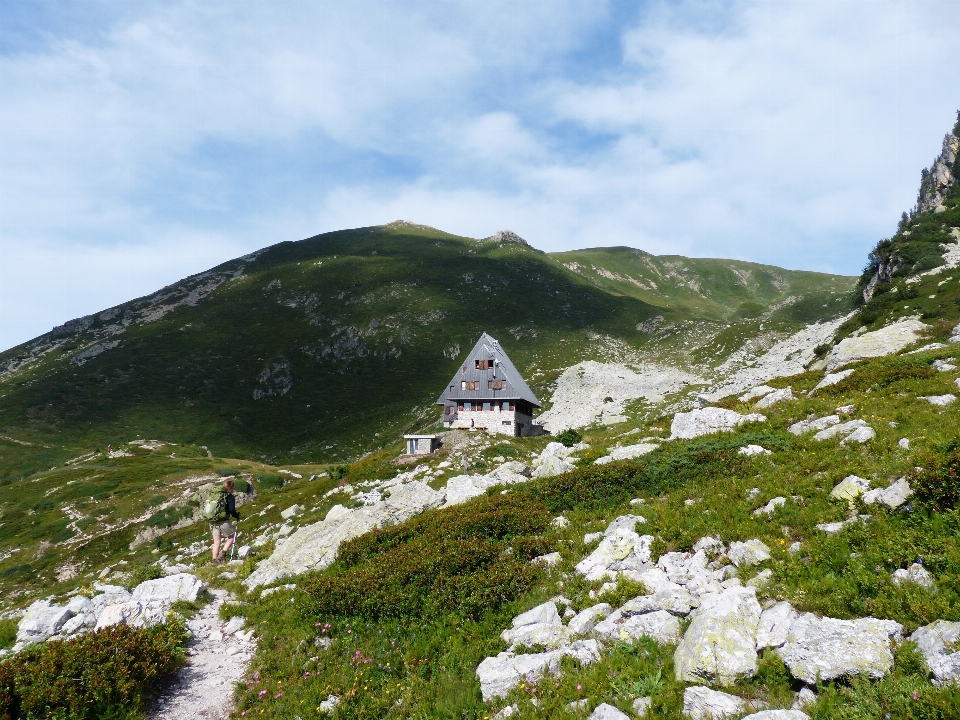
<point>221,528</point>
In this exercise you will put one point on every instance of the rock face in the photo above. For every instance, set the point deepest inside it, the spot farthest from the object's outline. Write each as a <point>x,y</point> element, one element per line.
<point>938,643</point>
<point>608,712</point>
<point>826,648</point>
<point>721,643</point>
<point>500,674</point>
<point>885,341</point>
<point>702,703</point>
<point>709,420</point>
<point>937,180</point>
<point>315,546</point>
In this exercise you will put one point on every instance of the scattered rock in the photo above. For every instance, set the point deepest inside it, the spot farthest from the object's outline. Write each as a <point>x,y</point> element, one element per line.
<point>501,673</point>
<point>508,712</point>
<point>938,642</point>
<point>751,450</point>
<point>904,443</point>
<point>553,461</point>
<point>548,560</point>
<point>585,620</point>
<point>860,435</point>
<point>832,379</point>
<point>823,649</point>
<point>835,528</point>
<point>850,488</point>
<point>843,429</point>
<point>942,400</point>
<point>181,586</point>
<point>560,522</point>
<point>775,397</point>
<point>758,391</point>
<point>641,706</point>
<point>805,697</point>
<point>709,420</point>
<point>778,715</point>
<point>626,453</point>
<point>621,550</point>
<point>774,625</point>
<point>608,712</point>
<point>943,366</point>
<point>805,426</point>
<point>329,705</point>
<point>916,574</point>
<point>893,496</point>
<point>751,552</point>
<point>291,511</point>
<point>771,506</point>
<point>658,625</point>
<point>702,703</point>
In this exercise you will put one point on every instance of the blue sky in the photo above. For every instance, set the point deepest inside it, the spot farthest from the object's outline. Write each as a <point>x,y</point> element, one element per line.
<point>142,142</point>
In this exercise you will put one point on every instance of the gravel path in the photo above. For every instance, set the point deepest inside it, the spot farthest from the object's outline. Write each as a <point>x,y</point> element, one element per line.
<point>203,689</point>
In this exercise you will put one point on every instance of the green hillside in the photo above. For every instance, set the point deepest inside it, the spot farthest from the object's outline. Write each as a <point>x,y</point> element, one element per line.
<point>716,289</point>
<point>326,348</point>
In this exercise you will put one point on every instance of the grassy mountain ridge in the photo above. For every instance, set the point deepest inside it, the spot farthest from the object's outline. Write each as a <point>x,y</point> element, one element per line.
<point>311,350</point>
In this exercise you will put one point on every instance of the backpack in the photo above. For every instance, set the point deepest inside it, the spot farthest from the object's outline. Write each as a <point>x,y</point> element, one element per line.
<point>214,498</point>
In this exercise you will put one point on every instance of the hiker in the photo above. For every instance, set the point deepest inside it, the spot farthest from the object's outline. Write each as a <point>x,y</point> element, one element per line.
<point>220,527</point>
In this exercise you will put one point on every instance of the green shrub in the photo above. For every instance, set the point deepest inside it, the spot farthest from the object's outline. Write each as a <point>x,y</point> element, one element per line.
<point>569,437</point>
<point>8,633</point>
<point>102,674</point>
<point>338,472</point>
<point>143,573</point>
<point>937,485</point>
<point>504,450</point>
<point>882,374</point>
<point>447,561</point>
<point>227,472</point>
<point>270,481</point>
<point>241,486</point>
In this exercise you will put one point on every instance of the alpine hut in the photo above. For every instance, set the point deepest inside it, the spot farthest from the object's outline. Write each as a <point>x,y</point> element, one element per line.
<point>488,393</point>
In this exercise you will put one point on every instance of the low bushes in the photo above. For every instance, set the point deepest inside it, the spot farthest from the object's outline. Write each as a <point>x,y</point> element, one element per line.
<point>105,674</point>
<point>463,560</point>
<point>937,485</point>
<point>270,481</point>
<point>882,374</point>
<point>569,437</point>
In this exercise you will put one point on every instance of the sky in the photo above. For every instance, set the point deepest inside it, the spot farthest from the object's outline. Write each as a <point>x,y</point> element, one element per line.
<point>142,142</point>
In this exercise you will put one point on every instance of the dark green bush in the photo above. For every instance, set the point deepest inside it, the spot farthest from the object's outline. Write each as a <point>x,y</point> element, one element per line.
<point>451,560</point>
<point>569,437</point>
<point>8,633</point>
<point>241,486</point>
<point>168,517</point>
<point>937,486</point>
<point>270,481</point>
<point>98,675</point>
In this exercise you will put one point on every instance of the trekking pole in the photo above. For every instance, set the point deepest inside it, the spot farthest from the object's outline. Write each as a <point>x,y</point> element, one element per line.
<point>234,543</point>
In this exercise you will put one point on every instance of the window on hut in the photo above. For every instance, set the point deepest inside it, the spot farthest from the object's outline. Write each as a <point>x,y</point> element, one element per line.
<point>486,406</point>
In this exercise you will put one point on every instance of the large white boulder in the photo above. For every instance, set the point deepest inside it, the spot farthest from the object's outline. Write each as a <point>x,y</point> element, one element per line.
<point>135,613</point>
<point>850,488</point>
<point>750,552</point>
<point>832,379</point>
<point>805,426</point>
<point>843,429</point>
<point>702,703</point>
<point>775,397</point>
<point>708,420</point>
<point>885,341</point>
<point>498,675</point>
<point>827,648</point>
<point>626,453</point>
<point>622,550</point>
<point>892,496</point>
<point>775,625</point>
<point>41,621</point>
<point>603,711</point>
<point>315,546</point>
<point>540,626</point>
<point>721,643</point>
<point>553,460</point>
<point>585,620</point>
<point>916,574</point>
<point>938,643</point>
<point>182,586</point>
<point>465,487</point>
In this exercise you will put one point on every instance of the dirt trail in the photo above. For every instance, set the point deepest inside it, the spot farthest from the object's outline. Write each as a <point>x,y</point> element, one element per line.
<point>203,689</point>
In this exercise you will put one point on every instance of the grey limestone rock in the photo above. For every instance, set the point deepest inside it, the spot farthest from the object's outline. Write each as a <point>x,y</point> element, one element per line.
<point>642,706</point>
<point>778,715</point>
<point>885,341</point>
<point>893,496</point>
<point>41,621</point>
<point>805,426</point>
<point>827,648</point>
<point>708,420</point>
<point>832,379</point>
<point>585,620</point>
<point>775,397</point>
<point>171,588</point>
<point>774,625</point>
<point>626,453</point>
<point>750,552</point>
<point>621,550</point>
<point>499,674</point>
<point>860,435</point>
<point>850,488</point>
<point>771,506</point>
<point>658,625</point>
<point>721,643</point>
<point>938,643</point>
<point>916,574</point>
<point>603,711</point>
<point>702,703</point>
<point>843,429</point>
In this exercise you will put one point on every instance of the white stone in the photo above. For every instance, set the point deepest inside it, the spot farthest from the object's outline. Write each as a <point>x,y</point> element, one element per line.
<point>893,496</point>
<point>315,546</point>
<point>592,537</point>
<point>758,391</point>
<point>751,552</point>
<point>702,703</point>
<point>498,675</point>
<point>560,522</point>
<point>805,426</point>
<point>753,450</point>
<point>170,589</point>
<point>942,400</point>
<point>659,625</point>
<point>622,550</point>
<point>804,698</point>
<point>850,488</point>
<point>938,643</point>
<point>549,560</point>
<point>134,613</point>
<point>860,435</point>
<point>761,579</point>
<point>711,546</point>
<point>577,705</point>
<point>508,712</point>
<point>675,602</point>
<point>626,453</point>
<point>80,604</point>
<point>904,443</point>
<point>41,621</point>
<point>775,397</point>
<point>709,420</point>
<point>243,552</point>
<point>916,574</point>
<point>291,511</point>
<point>778,715</point>
<point>329,705</point>
<point>841,429</point>
<point>585,620</point>
<point>641,706</point>
<point>771,506</point>
<point>832,379</point>
<point>885,341</point>
<point>835,528</point>
<point>774,625</point>
<point>608,712</point>
<point>627,522</point>
<point>233,625</point>
<point>943,366</point>
<point>721,643</point>
<point>826,648</point>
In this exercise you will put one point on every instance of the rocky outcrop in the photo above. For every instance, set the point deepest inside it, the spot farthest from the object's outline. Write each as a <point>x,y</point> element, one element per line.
<point>936,181</point>
<point>554,460</point>
<point>498,675</point>
<point>315,546</point>
<point>888,340</point>
<point>709,420</point>
<point>702,703</point>
<point>822,649</point>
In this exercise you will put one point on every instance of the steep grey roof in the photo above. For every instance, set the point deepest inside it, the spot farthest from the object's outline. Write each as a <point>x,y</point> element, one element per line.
<point>487,348</point>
